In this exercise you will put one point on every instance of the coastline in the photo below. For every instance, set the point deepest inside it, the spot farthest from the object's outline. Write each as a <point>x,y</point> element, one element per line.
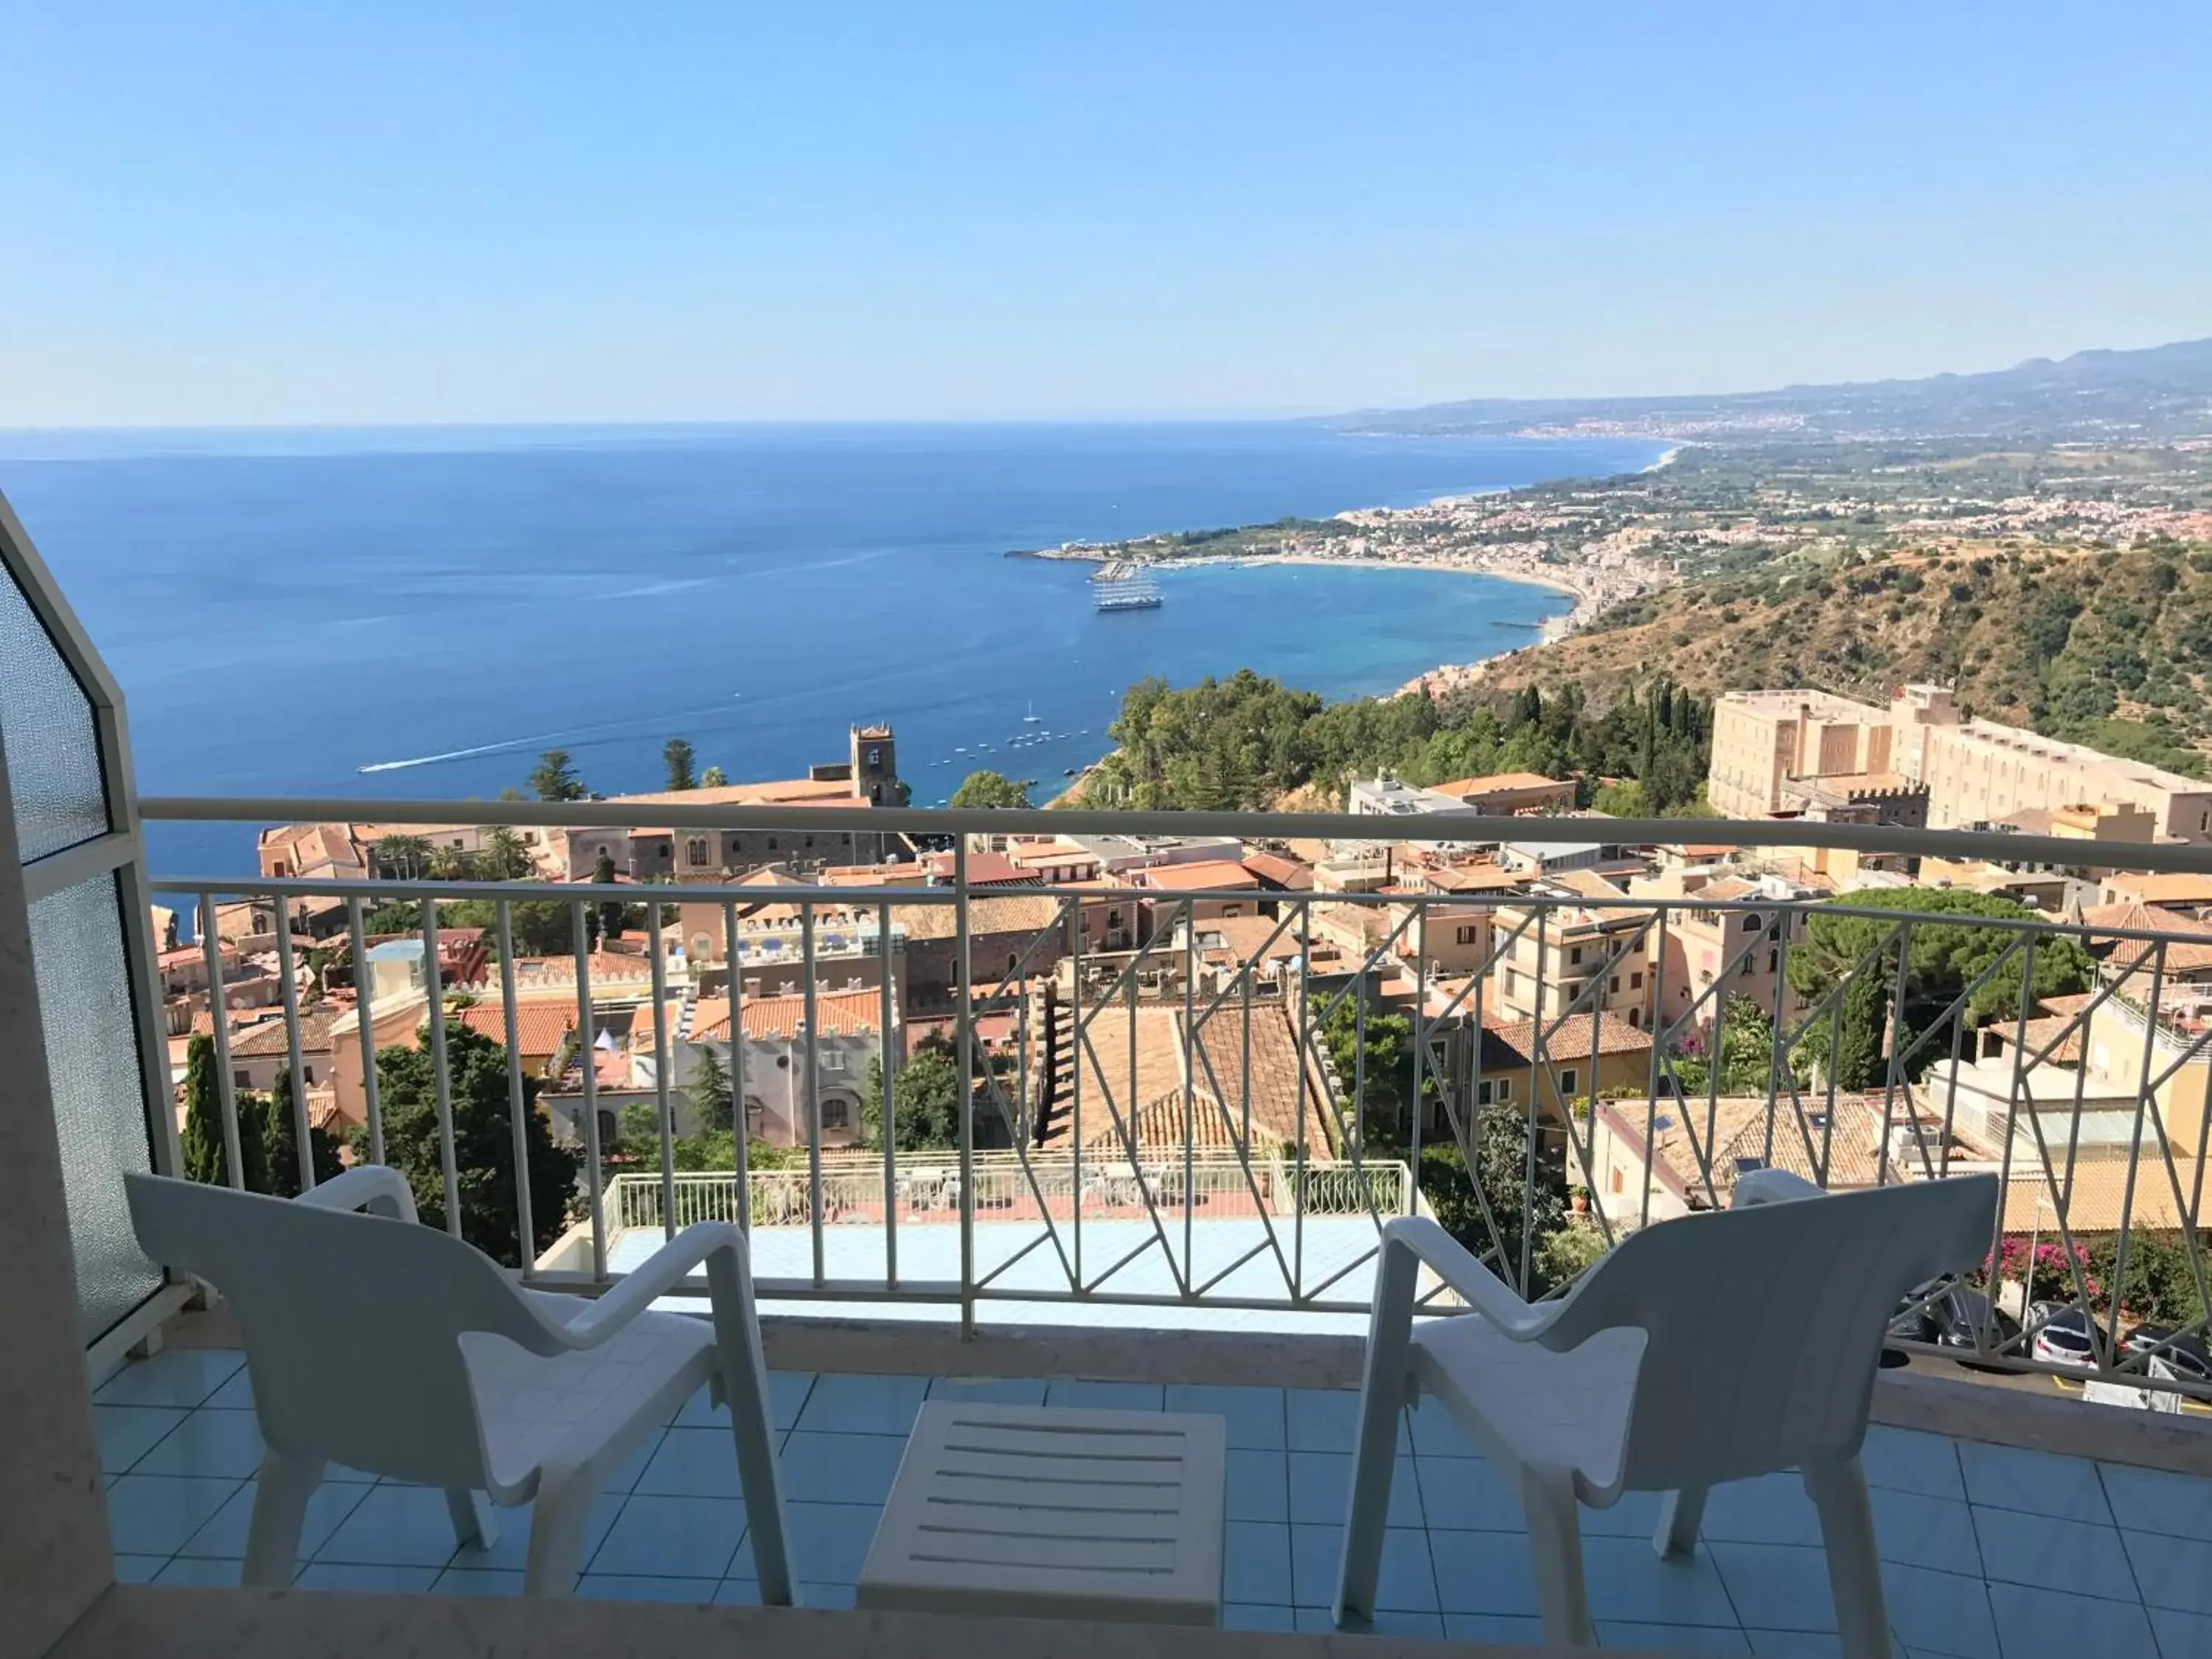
<point>1362,561</point>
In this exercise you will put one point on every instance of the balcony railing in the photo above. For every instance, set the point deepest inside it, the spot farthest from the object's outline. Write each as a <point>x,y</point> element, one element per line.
<point>1209,1127</point>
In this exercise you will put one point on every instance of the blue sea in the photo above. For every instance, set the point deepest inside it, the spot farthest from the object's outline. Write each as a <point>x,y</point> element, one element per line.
<point>418,612</point>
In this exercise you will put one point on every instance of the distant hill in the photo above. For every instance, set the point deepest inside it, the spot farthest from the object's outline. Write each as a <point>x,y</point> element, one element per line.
<point>2112,647</point>
<point>2157,392</point>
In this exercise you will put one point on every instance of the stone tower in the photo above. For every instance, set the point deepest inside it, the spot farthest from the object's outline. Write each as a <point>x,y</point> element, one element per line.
<point>875,765</point>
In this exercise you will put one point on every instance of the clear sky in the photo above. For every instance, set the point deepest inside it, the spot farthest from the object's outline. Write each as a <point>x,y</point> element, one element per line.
<point>250,213</point>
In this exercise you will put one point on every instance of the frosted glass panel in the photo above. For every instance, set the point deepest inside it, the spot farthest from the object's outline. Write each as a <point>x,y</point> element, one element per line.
<point>45,720</point>
<point>92,1052</point>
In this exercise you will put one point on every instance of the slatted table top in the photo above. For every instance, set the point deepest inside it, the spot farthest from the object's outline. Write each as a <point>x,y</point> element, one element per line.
<point>1056,1513</point>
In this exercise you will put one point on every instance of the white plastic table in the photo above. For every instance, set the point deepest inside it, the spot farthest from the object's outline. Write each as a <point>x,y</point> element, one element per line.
<point>1054,1513</point>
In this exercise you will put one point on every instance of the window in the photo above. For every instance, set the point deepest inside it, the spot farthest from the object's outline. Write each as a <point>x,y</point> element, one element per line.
<point>1613,1182</point>
<point>1505,1090</point>
<point>1743,969</point>
<point>1773,957</point>
<point>809,840</point>
<point>607,1129</point>
<point>836,1113</point>
<point>1508,981</point>
<point>1635,1018</point>
<point>1482,1093</point>
<point>308,1073</point>
<point>771,843</point>
<point>1465,936</point>
<point>875,757</point>
<point>1113,918</point>
<point>694,852</point>
<point>240,1079</point>
<point>1568,1079</point>
<point>1613,989</point>
<point>1575,956</point>
<point>1635,981</point>
<point>833,1059</point>
<point>1751,924</point>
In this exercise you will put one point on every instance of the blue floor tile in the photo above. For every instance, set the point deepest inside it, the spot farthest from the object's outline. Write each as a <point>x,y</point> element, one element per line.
<point>1495,1628</point>
<point>138,1569</point>
<point>1320,1483</point>
<point>834,1598</point>
<point>175,1377</point>
<point>1767,1509</point>
<point>211,1575</point>
<point>2054,1554</point>
<point>512,1552</point>
<point>839,1468</point>
<point>2045,1624</point>
<point>1256,1615</point>
<point>670,1537</point>
<point>1387,1621</point>
<point>1259,1486</point>
<point>2173,1572</point>
<point>1434,1434</point>
<point>155,1514</point>
<point>1674,1638</point>
<point>1254,1417</point>
<point>1912,1461</point>
<point>2038,1482</point>
<point>1488,1573</point>
<point>740,1593</point>
<point>237,1395</point>
<point>478,1581</point>
<point>1106,1396</point>
<point>1636,1515</point>
<point>829,1541</point>
<point>224,1535</point>
<point>842,1403</point>
<point>1321,1419</point>
<point>1925,1532</point>
<point>615,1587</point>
<point>786,1395</point>
<point>1781,1587</point>
<point>2181,1635</point>
<point>393,1526</point>
<point>355,1575</point>
<point>127,1433</point>
<point>1629,1581</point>
<point>691,1463</point>
<point>2157,1500</point>
<point>1406,1584</point>
<point>1464,1494</point>
<point>1257,1563</point>
<point>1801,1645</point>
<point>994,1391</point>
<point>626,1474</point>
<point>1938,1612</point>
<point>222,1443</point>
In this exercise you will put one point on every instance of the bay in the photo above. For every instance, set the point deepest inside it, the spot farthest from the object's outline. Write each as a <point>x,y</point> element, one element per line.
<point>284,610</point>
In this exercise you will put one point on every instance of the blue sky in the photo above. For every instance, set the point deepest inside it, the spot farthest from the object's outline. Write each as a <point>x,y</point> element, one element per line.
<point>251,214</point>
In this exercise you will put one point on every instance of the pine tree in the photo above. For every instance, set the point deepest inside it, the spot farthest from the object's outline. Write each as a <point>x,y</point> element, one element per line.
<point>675,756</point>
<point>202,1147</point>
<point>713,1106</point>
<point>281,1144</point>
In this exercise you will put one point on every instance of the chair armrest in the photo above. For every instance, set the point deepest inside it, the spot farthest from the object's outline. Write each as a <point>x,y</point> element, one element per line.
<point>374,1187</point>
<point>1771,1187</point>
<point>1482,1289</point>
<point>660,1273</point>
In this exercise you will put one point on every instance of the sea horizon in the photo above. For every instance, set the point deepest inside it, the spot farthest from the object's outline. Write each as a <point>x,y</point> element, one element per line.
<point>342,620</point>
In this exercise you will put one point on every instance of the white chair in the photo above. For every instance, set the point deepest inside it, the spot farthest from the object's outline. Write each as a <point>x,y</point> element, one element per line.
<point>376,1342</point>
<point>1703,1350</point>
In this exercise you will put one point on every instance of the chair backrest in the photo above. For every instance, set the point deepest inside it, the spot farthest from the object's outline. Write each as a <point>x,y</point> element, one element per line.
<point>351,1322</point>
<point>1764,1325</point>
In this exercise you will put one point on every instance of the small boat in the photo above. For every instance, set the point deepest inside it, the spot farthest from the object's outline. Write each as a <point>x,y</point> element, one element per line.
<point>959,748</point>
<point>1030,718</point>
<point>1071,772</point>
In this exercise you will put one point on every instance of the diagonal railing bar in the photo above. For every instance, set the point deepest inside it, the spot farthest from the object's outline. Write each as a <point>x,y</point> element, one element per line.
<point>1124,1127</point>
<point>1124,1260</point>
<point>1240,1145</point>
<point>1199,1292</point>
<point>997,1098</point>
<point>992,1277</point>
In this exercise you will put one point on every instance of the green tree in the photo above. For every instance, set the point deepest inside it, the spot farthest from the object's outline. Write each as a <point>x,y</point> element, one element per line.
<point>484,1142</point>
<point>281,1144</point>
<point>1856,1026</point>
<point>988,789</point>
<point>553,778</point>
<point>712,778</point>
<point>204,1155</point>
<point>1389,1073</point>
<point>401,858</point>
<point>610,911</point>
<point>713,1106</point>
<point>1744,1052</point>
<point>503,857</point>
<point>926,1095</point>
<point>2159,1286</point>
<point>675,756</point>
<point>1501,1168</point>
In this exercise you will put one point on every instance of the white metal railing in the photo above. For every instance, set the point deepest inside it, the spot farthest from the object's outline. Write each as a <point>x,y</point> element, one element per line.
<point>1261,1110</point>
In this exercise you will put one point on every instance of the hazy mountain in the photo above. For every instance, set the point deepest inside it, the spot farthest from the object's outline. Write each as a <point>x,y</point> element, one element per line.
<point>2161,392</point>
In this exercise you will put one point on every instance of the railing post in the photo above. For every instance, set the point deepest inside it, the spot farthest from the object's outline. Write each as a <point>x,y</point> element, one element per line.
<point>810,1089</point>
<point>887,1068</point>
<point>365,1023</point>
<point>664,1062</point>
<point>433,994</point>
<point>964,1038</point>
<point>226,1085</point>
<point>286,971</point>
<point>517,1104</point>
<point>740,1118</point>
<point>587,1069</point>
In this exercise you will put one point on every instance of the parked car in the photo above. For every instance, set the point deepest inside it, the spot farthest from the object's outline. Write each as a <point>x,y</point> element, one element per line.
<point>1952,1316</point>
<point>2061,1336</point>
<point>2184,1351</point>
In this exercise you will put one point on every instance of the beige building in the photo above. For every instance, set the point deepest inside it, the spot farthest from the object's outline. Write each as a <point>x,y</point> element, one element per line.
<point>1504,794</point>
<point>1763,738</point>
<point>1980,772</point>
<point>1612,943</point>
<point>1738,951</point>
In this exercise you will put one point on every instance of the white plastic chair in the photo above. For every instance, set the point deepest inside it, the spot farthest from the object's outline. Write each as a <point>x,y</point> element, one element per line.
<point>1703,1350</point>
<point>376,1342</point>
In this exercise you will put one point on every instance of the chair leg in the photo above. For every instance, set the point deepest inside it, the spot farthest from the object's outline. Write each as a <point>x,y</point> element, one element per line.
<point>473,1522</point>
<point>280,1510</point>
<point>1555,1546</point>
<point>557,1533</point>
<point>744,1382</point>
<point>1381,1401</point>
<point>1838,1491</point>
<point>1679,1517</point>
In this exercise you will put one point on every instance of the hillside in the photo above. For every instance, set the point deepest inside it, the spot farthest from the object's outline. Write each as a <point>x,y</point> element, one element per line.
<point>2129,396</point>
<point>2109,648</point>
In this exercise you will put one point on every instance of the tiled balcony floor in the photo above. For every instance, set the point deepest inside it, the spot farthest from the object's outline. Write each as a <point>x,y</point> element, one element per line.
<point>1990,1553</point>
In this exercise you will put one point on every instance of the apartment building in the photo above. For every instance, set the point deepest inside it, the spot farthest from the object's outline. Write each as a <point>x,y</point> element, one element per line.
<point>1546,967</point>
<point>1506,794</point>
<point>848,1035</point>
<point>1980,772</point>
<point>1739,950</point>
